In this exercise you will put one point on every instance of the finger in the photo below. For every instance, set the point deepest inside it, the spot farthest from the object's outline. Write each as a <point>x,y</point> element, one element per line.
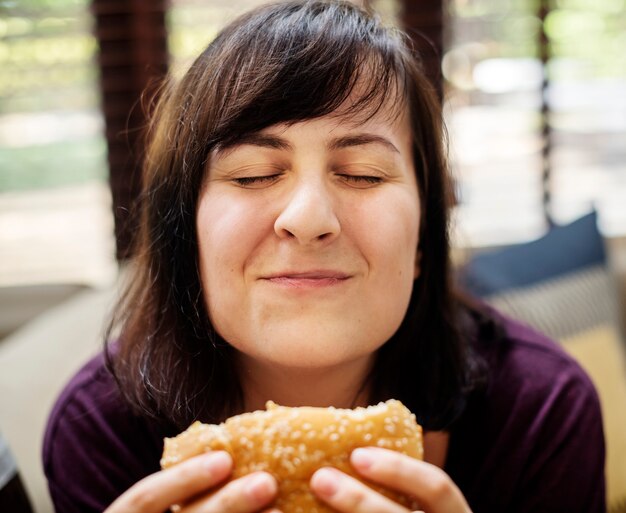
<point>157,492</point>
<point>244,495</point>
<point>349,495</point>
<point>430,485</point>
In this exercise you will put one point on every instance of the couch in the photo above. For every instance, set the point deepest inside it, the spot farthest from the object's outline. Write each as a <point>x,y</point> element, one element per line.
<point>565,285</point>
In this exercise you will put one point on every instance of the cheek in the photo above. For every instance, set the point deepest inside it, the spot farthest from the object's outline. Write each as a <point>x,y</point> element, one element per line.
<point>390,238</point>
<point>228,233</point>
<point>389,231</point>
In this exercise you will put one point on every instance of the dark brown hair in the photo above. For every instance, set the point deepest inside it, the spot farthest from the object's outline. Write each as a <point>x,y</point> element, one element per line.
<point>286,62</point>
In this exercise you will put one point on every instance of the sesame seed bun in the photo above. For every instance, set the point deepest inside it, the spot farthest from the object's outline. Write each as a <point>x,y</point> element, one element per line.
<point>292,443</point>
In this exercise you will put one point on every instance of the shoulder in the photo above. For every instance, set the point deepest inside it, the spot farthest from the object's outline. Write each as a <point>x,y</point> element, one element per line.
<point>536,428</point>
<point>89,399</point>
<point>95,447</point>
<point>532,376</point>
<point>522,360</point>
<point>89,390</point>
<point>526,370</point>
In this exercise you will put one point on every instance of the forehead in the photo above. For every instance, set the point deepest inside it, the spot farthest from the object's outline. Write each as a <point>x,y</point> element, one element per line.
<point>367,102</point>
<point>390,120</point>
<point>383,130</point>
<point>389,116</point>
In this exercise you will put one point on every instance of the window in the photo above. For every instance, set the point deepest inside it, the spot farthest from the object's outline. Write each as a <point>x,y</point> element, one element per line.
<point>494,109</point>
<point>55,221</point>
<point>193,24</point>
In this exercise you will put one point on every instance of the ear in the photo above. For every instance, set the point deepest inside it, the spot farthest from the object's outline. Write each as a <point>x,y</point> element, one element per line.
<point>417,269</point>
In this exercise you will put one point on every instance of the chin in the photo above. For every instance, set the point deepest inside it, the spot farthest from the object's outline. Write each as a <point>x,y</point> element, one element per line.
<point>317,352</point>
<point>310,360</point>
<point>314,342</point>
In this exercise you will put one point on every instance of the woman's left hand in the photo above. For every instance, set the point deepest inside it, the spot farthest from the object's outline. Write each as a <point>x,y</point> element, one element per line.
<point>429,485</point>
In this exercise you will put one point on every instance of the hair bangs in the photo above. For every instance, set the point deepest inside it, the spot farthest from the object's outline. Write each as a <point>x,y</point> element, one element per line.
<point>306,63</point>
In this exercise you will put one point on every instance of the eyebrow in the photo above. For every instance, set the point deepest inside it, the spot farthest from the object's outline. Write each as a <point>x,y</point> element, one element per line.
<point>363,139</point>
<point>278,143</point>
<point>254,139</point>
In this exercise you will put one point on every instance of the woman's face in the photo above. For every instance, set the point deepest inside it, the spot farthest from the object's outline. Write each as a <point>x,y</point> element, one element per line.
<point>308,236</point>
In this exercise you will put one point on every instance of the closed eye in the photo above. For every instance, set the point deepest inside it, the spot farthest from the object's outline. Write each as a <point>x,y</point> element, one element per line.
<point>256,181</point>
<point>361,180</point>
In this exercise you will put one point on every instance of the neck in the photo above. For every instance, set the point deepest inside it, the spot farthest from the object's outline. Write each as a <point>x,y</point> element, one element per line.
<point>436,447</point>
<point>342,386</point>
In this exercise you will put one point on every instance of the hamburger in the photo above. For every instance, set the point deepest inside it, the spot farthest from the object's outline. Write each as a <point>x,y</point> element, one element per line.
<point>293,443</point>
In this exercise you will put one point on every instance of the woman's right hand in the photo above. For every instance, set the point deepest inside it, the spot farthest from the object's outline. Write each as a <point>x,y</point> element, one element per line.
<point>190,484</point>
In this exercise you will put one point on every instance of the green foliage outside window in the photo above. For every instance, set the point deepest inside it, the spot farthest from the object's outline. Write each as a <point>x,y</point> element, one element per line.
<point>48,83</point>
<point>592,31</point>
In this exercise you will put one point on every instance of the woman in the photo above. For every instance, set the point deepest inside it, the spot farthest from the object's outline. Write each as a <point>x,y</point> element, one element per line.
<point>293,247</point>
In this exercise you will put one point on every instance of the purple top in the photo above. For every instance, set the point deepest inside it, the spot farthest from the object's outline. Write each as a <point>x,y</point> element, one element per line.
<point>531,441</point>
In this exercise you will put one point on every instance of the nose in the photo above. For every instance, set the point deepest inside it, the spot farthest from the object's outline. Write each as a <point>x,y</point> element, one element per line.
<point>309,215</point>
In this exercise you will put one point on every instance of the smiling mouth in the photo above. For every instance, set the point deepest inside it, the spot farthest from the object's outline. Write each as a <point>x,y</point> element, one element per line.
<point>314,279</point>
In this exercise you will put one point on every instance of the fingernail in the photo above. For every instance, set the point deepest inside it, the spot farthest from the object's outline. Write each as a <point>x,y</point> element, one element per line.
<point>261,487</point>
<point>218,461</point>
<point>325,481</point>
<point>362,458</point>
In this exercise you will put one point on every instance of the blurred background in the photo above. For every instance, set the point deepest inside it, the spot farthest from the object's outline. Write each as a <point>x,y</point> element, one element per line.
<point>535,102</point>
<point>534,95</point>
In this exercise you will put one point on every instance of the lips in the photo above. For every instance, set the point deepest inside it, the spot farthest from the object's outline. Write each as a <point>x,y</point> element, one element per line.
<point>307,279</point>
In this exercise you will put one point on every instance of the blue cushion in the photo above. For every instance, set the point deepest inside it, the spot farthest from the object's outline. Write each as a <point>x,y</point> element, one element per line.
<point>564,249</point>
